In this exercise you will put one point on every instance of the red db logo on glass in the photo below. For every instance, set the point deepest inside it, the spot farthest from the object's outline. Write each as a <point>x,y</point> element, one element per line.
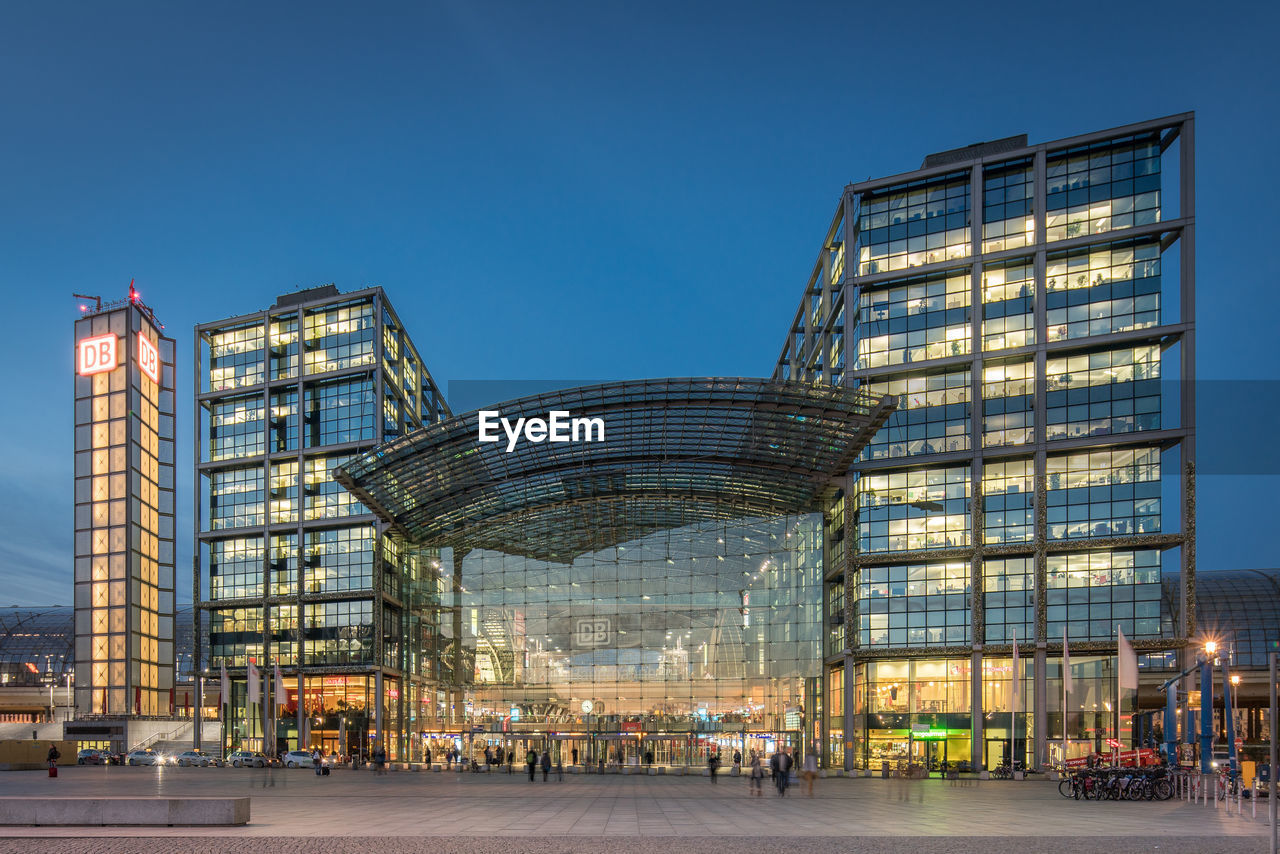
<point>95,355</point>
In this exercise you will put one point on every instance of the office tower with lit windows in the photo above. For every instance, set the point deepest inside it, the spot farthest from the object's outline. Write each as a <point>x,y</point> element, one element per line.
<point>124,519</point>
<point>1031,306</point>
<point>291,571</point>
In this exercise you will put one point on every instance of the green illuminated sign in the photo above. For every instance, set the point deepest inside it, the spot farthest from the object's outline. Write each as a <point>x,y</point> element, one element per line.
<point>937,734</point>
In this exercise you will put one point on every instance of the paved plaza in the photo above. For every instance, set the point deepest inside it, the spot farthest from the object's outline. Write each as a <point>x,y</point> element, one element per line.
<point>293,810</point>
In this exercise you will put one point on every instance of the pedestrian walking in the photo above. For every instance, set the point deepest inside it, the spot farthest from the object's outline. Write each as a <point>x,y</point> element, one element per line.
<point>317,759</point>
<point>53,756</point>
<point>810,770</point>
<point>511,758</point>
<point>648,757</point>
<point>426,757</point>
<point>559,769</point>
<point>546,764</point>
<point>575,756</point>
<point>713,765</point>
<point>780,763</point>
<point>532,761</point>
<point>488,758</point>
<point>757,776</point>
<point>737,760</point>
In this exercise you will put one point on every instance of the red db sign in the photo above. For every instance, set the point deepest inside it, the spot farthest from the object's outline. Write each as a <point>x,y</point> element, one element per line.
<point>95,355</point>
<point>148,358</point>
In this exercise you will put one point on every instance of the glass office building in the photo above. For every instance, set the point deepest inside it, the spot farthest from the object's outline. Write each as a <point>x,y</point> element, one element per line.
<point>124,518</point>
<point>654,594</point>
<point>1031,308</point>
<point>291,571</point>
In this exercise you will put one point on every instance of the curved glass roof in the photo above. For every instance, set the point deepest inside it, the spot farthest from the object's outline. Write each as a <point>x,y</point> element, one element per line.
<point>676,451</point>
<point>1240,609</point>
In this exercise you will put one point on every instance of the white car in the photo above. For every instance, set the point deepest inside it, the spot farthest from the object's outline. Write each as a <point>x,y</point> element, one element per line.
<point>247,759</point>
<point>299,759</point>
<point>195,758</point>
<point>144,757</point>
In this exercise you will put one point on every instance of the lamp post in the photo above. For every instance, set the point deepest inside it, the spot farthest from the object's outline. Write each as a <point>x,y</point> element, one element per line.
<point>197,727</point>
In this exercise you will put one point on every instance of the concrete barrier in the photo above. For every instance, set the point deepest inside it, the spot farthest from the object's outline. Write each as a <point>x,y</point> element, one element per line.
<point>96,812</point>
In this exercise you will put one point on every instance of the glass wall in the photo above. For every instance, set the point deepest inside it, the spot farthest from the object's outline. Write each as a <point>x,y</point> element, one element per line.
<point>685,640</point>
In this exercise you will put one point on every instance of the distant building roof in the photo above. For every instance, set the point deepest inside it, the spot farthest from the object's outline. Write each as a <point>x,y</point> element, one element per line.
<point>38,642</point>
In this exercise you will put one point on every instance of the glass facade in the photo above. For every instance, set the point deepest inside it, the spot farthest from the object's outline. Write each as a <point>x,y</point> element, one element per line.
<point>124,512</point>
<point>291,566</point>
<point>702,637</point>
<point>1036,477</point>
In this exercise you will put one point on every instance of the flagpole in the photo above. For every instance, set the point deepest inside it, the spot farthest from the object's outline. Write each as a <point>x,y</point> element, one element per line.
<point>1066,692</point>
<point>1013,713</point>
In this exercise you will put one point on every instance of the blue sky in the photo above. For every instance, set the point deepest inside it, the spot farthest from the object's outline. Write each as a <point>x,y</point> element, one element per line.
<point>590,190</point>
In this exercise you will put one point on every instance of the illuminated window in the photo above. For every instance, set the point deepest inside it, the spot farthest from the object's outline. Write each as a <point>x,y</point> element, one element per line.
<point>932,415</point>
<point>1108,186</point>
<point>1104,289</point>
<point>1008,218</point>
<point>915,224</point>
<point>1008,497</point>
<point>1008,297</point>
<point>1111,391</point>
<point>1107,493</point>
<point>1010,599</point>
<point>914,320</point>
<point>906,511</point>
<point>1008,403</point>
<point>1090,593</point>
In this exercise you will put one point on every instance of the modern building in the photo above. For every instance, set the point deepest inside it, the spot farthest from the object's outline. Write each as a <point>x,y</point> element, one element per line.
<point>292,572</point>
<point>649,589</point>
<point>1032,308</point>
<point>124,511</point>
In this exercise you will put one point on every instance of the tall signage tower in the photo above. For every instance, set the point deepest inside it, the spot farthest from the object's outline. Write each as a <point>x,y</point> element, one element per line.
<point>124,522</point>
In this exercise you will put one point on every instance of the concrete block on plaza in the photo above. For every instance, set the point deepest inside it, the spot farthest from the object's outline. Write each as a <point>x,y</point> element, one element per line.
<point>735,771</point>
<point>676,770</point>
<point>653,772</point>
<point>96,812</point>
<point>206,811</point>
<point>436,766</point>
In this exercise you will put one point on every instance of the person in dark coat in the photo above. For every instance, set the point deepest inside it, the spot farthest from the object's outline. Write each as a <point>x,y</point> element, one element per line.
<point>546,764</point>
<point>532,761</point>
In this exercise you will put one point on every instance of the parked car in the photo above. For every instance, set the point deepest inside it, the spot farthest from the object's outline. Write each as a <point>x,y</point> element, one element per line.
<point>247,759</point>
<point>298,759</point>
<point>144,757</point>
<point>196,758</point>
<point>92,756</point>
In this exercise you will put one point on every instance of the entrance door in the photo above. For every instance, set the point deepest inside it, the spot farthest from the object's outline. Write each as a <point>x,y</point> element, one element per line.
<point>929,754</point>
<point>997,753</point>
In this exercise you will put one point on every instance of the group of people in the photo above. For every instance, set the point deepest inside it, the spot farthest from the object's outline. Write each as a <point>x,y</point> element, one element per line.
<point>533,761</point>
<point>780,764</point>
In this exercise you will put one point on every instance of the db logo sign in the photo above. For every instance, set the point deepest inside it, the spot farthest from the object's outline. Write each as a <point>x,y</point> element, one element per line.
<point>95,355</point>
<point>148,358</point>
<point>592,632</point>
